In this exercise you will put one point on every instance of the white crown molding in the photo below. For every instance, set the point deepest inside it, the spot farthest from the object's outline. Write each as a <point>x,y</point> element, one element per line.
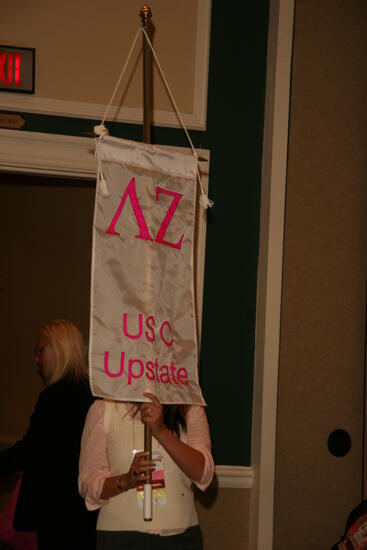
<point>62,155</point>
<point>195,120</point>
<point>52,154</point>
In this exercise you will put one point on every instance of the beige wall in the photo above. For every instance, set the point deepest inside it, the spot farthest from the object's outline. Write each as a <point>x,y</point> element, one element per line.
<point>224,518</point>
<point>321,372</point>
<point>82,46</point>
<point>81,49</point>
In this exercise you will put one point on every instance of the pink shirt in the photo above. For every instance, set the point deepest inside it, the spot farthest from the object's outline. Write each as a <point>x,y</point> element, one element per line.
<point>93,463</point>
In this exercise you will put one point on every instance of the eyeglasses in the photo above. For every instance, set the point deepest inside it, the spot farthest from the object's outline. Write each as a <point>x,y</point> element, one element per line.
<point>37,350</point>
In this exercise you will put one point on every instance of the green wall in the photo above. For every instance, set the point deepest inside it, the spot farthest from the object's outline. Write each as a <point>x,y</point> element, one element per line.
<point>234,136</point>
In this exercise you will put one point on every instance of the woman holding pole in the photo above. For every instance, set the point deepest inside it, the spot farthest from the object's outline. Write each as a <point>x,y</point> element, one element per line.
<point>113,468</point>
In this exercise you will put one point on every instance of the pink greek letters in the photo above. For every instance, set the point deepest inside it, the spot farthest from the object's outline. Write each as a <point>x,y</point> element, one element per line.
<point>130,192</point>
<point>168,217</point>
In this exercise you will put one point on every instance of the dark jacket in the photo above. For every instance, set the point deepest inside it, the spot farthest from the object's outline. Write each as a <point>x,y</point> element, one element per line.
<point>48,456</point>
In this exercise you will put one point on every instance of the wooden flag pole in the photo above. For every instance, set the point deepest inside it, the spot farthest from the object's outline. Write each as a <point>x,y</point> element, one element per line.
<point>146,15</point>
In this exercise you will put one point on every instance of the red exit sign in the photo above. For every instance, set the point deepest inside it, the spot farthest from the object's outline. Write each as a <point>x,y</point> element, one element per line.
<point>17,67</point>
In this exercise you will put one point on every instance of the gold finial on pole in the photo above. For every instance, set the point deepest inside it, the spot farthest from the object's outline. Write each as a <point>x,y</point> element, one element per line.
<point>145,14</point>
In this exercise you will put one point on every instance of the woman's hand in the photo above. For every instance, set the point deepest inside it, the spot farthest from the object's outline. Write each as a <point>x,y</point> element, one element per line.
<point>137,474</point>
<point>138,469</point>
<point>152,414</point>
<point>189,460</point>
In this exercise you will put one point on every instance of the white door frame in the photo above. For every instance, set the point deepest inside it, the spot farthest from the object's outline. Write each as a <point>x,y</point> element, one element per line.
<point>274,171</point>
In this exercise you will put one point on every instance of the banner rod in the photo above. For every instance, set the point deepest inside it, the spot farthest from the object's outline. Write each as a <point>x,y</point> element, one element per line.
<point>146,15</point>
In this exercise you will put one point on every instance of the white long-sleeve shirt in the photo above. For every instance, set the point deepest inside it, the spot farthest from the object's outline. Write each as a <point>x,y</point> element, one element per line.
<point>93,464</point>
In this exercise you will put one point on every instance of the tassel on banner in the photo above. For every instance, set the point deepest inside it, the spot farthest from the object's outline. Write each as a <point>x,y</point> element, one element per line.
<point>102,184</point>
<point>205,202</point>
<point>101,179</point>
<point>100,132</point>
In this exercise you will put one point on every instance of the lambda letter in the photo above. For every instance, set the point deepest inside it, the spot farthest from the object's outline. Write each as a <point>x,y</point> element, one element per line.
<point>131,192</point>
<point>168,217</point>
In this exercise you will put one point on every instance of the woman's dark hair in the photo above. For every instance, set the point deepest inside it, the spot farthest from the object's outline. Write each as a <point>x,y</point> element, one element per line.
<point>174,418</point>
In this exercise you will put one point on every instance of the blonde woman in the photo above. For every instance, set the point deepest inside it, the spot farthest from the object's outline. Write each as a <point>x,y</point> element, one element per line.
<point>48,454</point>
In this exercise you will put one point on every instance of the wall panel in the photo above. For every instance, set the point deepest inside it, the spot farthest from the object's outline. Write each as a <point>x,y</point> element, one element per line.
<point>321,377</point>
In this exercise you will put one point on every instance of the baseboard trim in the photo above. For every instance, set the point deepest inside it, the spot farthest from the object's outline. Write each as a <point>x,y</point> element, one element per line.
<point>235,477</point>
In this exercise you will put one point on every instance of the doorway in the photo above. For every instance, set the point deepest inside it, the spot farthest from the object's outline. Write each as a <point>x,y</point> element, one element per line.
<point>45,258</point>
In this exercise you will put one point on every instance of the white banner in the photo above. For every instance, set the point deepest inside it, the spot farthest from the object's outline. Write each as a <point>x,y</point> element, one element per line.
<point>143,334</point>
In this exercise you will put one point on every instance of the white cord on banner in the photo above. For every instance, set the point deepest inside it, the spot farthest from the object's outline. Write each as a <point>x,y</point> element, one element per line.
<point>100,131</point>
<point>119,80</point>
<point>205,202</point>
